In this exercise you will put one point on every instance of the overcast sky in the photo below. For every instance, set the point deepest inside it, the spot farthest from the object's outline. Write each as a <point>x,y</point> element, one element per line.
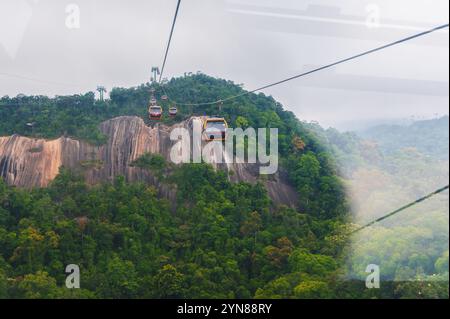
<point>253,42</point>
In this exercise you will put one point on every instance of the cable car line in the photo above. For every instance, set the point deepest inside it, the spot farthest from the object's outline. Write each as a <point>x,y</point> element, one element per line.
<point>155,112</point>
<point>420,200</point>
<point>169,42</point>
<point>418,35</point>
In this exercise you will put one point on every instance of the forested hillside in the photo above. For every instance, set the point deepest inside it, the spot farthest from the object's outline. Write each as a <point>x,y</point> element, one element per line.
<point>412,247</point>
<point>222,239</point>
<point>430,137</point>
<point>219,239</point>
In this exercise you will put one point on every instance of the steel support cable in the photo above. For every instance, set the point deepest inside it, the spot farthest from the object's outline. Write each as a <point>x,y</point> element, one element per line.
<point>395,212</point>
<point>170,41</point>
<point>415,36</point>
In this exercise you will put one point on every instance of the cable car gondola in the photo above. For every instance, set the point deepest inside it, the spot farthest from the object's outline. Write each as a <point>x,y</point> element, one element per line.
<point>173,111</point>
<point>164,97</point>
<point>215,129</point>
<point>155,112</point>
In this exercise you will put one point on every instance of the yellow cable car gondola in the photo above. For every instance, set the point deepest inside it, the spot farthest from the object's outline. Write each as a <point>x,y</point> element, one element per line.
<point>214,129</point>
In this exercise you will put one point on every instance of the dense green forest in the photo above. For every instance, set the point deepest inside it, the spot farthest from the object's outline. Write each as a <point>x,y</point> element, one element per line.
<point>223,240</point>
<point>220,240</point>
<point>429,137</point>
<point>383,174</point>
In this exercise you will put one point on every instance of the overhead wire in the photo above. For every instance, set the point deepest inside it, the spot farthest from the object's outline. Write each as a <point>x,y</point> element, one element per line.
<point>170,41</point>
<point>386,46</point>
<point>403,208</point>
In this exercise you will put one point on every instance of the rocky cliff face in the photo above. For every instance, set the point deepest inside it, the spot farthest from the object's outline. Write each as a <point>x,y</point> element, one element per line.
<point>27,162</point>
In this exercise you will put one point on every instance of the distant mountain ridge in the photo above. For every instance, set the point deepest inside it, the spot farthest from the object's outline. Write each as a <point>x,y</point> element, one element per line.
<point>430,137</point>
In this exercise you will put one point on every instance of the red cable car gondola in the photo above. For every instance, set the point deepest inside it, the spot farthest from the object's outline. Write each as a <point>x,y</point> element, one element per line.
<point>173,111</point>
<point>155,112</point>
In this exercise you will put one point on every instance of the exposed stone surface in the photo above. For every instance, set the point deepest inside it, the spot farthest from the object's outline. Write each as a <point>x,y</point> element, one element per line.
<point>28,163</point>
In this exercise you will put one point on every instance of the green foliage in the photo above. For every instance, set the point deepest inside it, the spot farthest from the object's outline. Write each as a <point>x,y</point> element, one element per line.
<point>396,166</point>
<point>429,137</point>
<point>168,283</point>
<point>312,290</point>
<point>424,287</point>
<point>154,162</point>
<point>304,262</point>
<point>224,240</point>
<point>218,240</point>
<point>3,285</point>
<point>77,116</point>
<point>92,164</point>
<point>120,279</point>
<point>307,175</point>
<point>441,264</point>
<point>242,122</point>
<point>38,286</point>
